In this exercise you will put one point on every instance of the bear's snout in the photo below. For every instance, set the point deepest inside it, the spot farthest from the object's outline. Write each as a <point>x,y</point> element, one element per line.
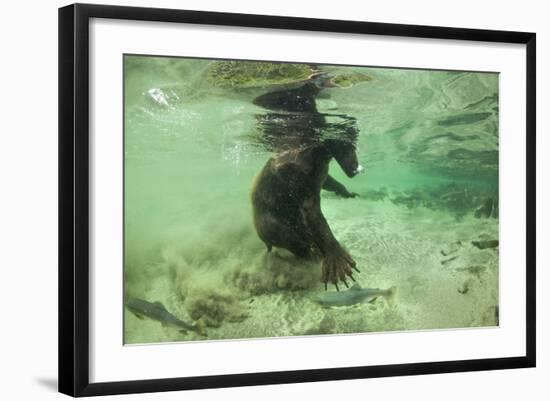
<point>360,169</point>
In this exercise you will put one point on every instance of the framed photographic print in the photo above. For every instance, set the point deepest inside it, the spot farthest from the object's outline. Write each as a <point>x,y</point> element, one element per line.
<point>249,199</point>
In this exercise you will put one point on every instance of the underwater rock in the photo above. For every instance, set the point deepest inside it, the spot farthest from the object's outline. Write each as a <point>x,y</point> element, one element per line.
<point>349,79</point>
<point>253,74</point>
<point>213,307</point>
<point>485,244</point>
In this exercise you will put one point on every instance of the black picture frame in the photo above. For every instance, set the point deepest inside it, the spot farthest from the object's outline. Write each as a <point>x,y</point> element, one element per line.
<point>74,194</point>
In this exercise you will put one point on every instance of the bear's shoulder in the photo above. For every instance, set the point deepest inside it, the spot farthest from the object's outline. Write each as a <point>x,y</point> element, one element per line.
<point>294,161</point>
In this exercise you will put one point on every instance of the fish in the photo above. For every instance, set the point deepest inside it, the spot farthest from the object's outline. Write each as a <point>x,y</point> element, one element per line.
<point>493,243</point>
<point>355,295</point>
<point>444,262</point>
<point>156,311</point>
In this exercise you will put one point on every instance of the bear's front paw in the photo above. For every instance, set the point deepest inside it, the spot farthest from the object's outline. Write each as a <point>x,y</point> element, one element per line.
<point>347,194</point>
<point>336,266</point>
<point>351,195</point>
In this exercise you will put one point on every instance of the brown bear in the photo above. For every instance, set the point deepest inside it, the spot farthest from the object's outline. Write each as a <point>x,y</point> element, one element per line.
<point>286,194</point>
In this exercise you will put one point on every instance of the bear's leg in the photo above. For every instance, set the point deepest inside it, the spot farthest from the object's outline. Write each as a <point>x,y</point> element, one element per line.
<point>338,188</point>
<point>291,237</point>
<point>337,263</point>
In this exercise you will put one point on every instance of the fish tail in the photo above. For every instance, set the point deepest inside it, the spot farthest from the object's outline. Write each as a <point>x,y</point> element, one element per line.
<point>390,295</point>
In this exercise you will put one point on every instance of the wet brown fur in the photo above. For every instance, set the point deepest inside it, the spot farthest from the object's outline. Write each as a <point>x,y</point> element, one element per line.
<point>287,205</point>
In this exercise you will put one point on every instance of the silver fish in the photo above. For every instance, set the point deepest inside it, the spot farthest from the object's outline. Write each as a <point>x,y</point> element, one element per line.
<point>157,311</point>
<point>355,295</point>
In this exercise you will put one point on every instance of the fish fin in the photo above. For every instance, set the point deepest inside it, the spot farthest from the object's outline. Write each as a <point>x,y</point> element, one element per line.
<point>138,316</point>
<point>160,305</point>
<point>390,296</point>
<point>355,286</point>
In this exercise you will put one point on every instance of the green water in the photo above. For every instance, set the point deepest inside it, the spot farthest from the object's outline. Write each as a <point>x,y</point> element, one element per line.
<point>429,143</point>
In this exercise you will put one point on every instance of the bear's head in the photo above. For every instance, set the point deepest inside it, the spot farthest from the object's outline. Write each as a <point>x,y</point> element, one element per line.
<point>339,136</point>
<point>344,152</point>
